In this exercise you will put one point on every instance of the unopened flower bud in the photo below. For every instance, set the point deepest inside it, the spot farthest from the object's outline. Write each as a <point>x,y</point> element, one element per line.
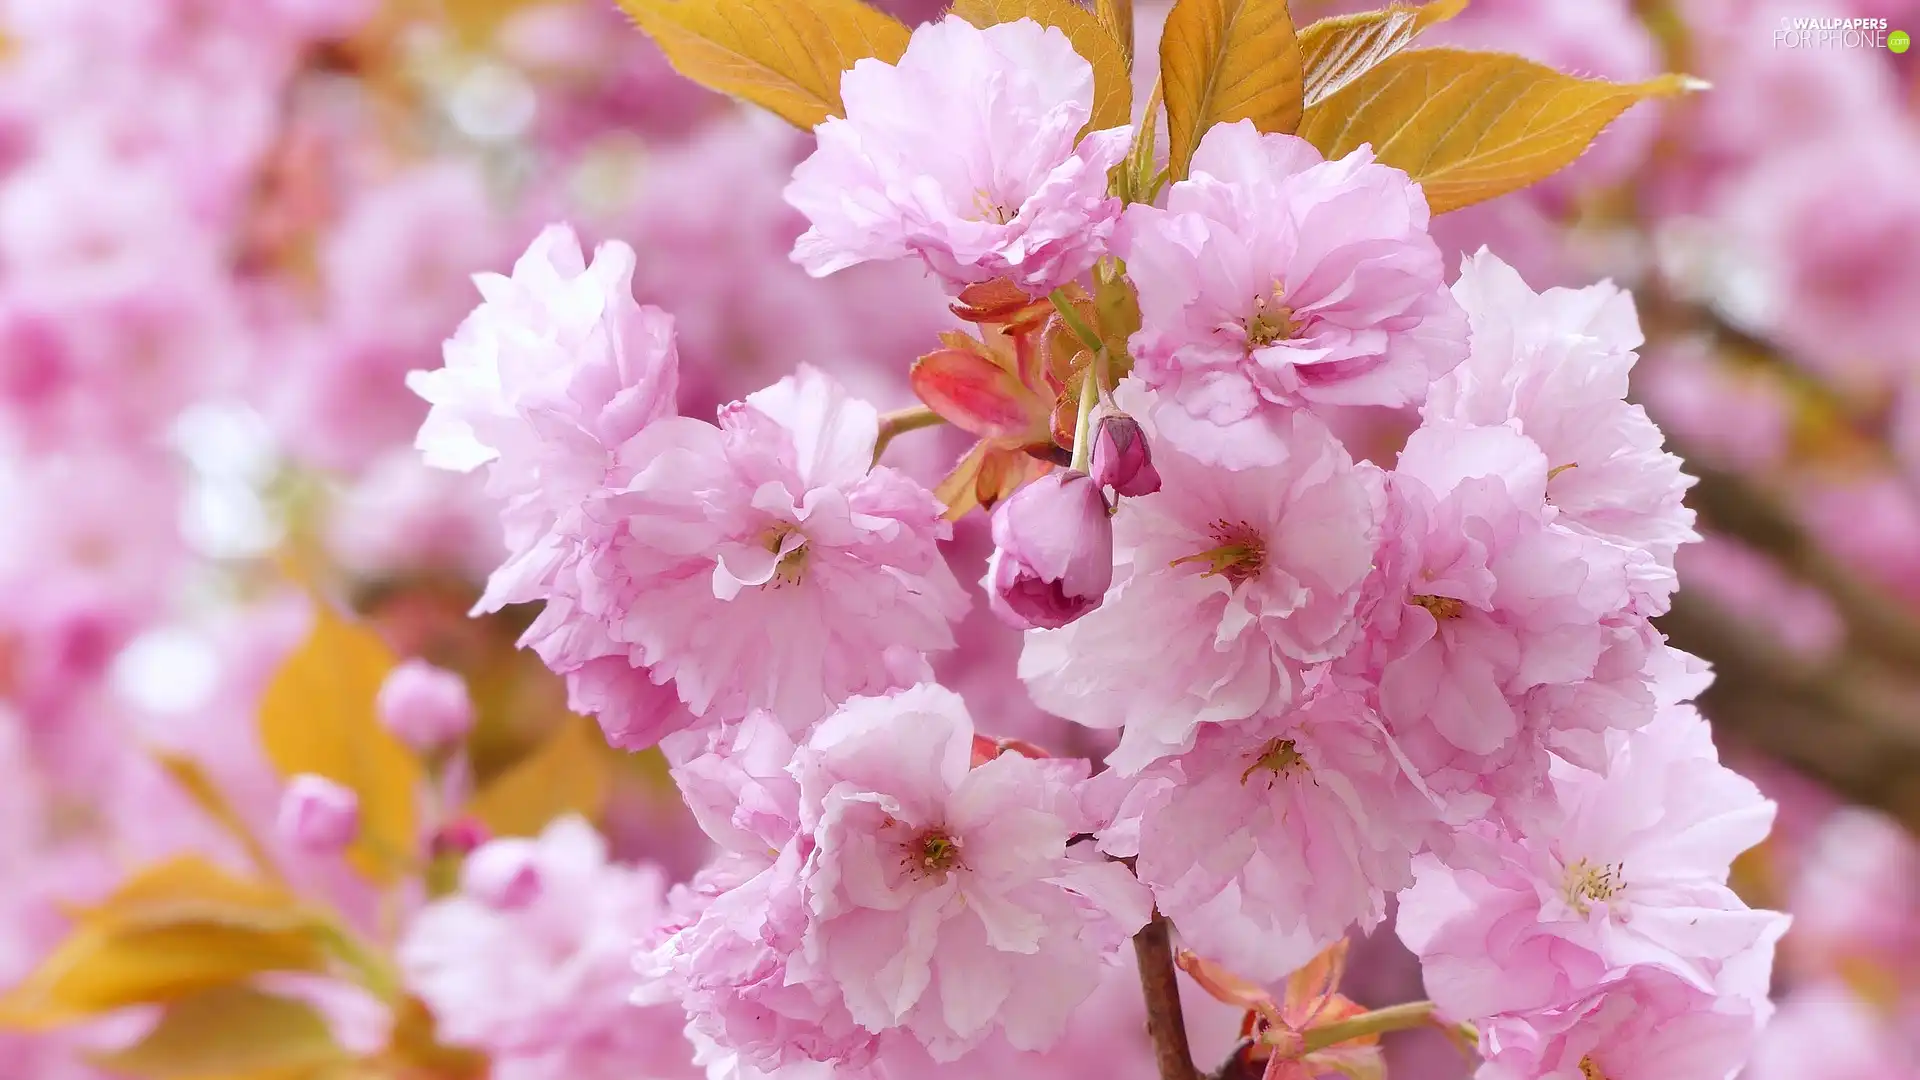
<point>319,816</point>
<point>1053,552</point>
<point>458,837</point>
<point>426,706</point>
<point>1121,459</point>
<point>503,874</point>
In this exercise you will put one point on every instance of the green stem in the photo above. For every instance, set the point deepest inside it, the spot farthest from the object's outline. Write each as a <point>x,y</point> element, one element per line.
<point>1412,1014</point>
<point>911,418</point>
<point>1082,441</point>
<point>372,969</point>
<point>1064,305</point>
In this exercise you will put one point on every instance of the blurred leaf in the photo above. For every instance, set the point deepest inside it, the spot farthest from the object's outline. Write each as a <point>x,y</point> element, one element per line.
<point>1469,126</point>
<point>784,55</point>
<point>1223,61</point>
<point>1336,51</point>
<point>175,929</point>
<point>474,21</point>
<point>317,716</point>
<point>229,1032</point>
<point>569,774</point>
<point>1093,39</point>
<point>192,779</point>
<point>416,1053</point>
<point>1117,17</point>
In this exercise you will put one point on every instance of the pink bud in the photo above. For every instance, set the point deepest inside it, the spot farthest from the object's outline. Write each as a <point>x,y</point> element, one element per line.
<point>1053,552</point>
<point>503,874</point>
<point>425,706</point>
<point>1121,459</point>
<point>458,837</point>
<point>317,815</point>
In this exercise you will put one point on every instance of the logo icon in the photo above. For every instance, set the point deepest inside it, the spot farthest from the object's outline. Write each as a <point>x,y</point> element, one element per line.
<point>1898,41</point>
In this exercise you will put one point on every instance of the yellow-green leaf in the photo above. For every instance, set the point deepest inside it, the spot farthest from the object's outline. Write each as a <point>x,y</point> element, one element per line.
<point>1336,51</point>
<point>1469,126</point>
<point>569,774</point>
<point>1117,17</point>
<point>786,56</point>
<point>317,716</point>
<point>189,889</point>
<point>1223,61</point>
<point>229,1031</point>
<point>174,930</point>
<point>1090,37</point>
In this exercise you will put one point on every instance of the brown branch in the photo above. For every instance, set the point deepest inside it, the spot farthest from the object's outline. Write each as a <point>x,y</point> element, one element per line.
<point>1153,947</point>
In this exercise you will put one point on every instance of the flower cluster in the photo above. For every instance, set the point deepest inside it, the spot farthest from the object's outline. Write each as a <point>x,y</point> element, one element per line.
<point>1333,680</point>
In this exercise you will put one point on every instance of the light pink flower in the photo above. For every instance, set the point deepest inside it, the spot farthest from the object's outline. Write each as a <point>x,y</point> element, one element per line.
<point>1629,873</point>
<point>727,956</point>
<point>1478,604</point>
<point>544,382</point>
<point>1270,838</point>
<point>1647,1025</point>
<point>967,154</point>
<point>1228,586</point>
<point>543,985</point>
<point>1275,279</point>
<point>762,563</point>
<point>943,899</point>
<point>735,780</point>
<point>1558,363</point>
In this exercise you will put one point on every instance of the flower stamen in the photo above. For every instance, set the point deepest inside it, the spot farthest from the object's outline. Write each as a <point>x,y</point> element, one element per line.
<point>1441,607</point>
<point>792,567</point>
<point>931,854</point>
<point>1272,321</point>
<point>1278,755</point>
<point>1240,554</point>
<point>1588,884</point>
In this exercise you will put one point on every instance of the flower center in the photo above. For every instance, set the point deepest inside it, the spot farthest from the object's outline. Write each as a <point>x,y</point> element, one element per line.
<point>792,566</point>
<point>989,208</point>
<point>1239,553</point>
<point>1272,321</point>
<point>1589,1070</point>
<point>1442,607</point>
<point>1278,756</point>
<point>1588,884</point>
<point>931,854</point>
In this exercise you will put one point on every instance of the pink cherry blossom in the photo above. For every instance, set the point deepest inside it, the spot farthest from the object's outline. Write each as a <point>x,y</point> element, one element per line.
<point>943,899</point>
<point>542,986</point>
<point>1558,363</point>
<point>1483,613</point>
<point>1274,279</point>
<point>736,782</point>
<point>1228,587</point>
<point>727,956</point>
<point>761,563</point>
<point>544,382</point>
<point>1647,1025</point>
<point>1271,837</point>
<point>967,154</point>
<point>1630,872</point>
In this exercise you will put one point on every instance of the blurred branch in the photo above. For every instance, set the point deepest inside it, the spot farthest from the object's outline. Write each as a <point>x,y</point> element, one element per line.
<point>1877,622</point>
<point>1848,722</point>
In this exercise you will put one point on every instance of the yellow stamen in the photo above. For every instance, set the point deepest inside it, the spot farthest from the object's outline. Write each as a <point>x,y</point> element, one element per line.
<point>1442,607</point>
<point>1240,554</point>
<point>1587,883</point>
<point>1279,755</point>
